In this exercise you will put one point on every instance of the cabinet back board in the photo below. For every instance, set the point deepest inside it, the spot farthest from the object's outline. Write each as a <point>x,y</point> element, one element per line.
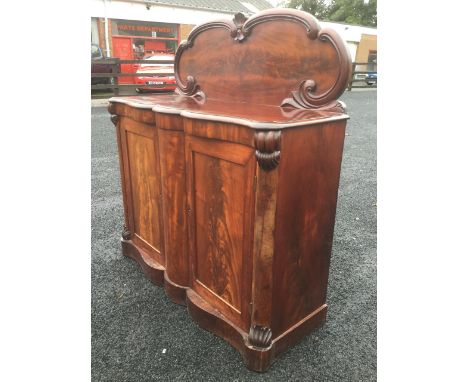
<point>275,57</point>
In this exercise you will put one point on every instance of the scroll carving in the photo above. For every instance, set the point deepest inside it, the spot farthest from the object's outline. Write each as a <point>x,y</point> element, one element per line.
<point>126,234</point>
<point>306,99</point>
<point>301,98</point>
<point>267,144</point>
<point>191,87</point>
<point>328,63</point>
<point>260,336</point>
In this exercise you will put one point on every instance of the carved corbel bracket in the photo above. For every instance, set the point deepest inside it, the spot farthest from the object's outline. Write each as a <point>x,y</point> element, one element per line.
<point>268,146</point>
<point>260,336</point>
<point>112,111</point>
<point>111,108</point>
<point>126,234</point>
<point>115,119</point>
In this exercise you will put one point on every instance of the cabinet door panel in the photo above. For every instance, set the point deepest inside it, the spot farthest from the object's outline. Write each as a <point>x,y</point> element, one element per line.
<point>220,178</point>
<point>143,185</point>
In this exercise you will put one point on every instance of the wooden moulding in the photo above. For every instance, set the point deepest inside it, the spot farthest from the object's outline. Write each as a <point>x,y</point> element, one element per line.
<point>256,348</point>
<point>153,270</point>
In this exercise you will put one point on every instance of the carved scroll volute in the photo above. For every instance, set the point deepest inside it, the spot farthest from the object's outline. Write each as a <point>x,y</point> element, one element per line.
<point>268,146</point>
<point>190,87</point>
<point>305,98</point>
<point>112,111</point>
<point>126,234</point>
<point>260,336</point>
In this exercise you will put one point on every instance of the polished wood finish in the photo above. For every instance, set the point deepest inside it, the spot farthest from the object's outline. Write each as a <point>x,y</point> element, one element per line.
<point>142,236</point>
<point>220,180</point>
<point>264,60</point>
<point>172,167</point>
<point>230,186</point>
<point>305,221</point>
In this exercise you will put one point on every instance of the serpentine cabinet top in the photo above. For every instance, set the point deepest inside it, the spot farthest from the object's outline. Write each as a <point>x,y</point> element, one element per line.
<point>276,69</point>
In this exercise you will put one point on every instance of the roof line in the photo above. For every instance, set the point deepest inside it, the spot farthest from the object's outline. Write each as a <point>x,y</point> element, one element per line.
<point>156,2</point>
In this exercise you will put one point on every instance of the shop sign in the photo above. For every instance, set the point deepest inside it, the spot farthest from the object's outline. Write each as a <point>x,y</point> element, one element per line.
<point>132,28</point>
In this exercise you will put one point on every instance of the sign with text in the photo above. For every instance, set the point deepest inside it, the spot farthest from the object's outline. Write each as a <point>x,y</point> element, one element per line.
<point>144,29</point>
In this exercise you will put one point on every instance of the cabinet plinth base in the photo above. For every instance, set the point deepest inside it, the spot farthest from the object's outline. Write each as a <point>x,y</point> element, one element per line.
<point>154,271</point>
<point>176,293</point>
<point>255,358</point>
<point>151,268</point>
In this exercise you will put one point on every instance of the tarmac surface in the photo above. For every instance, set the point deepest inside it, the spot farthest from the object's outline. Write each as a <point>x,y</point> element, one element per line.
<point>138,334</point>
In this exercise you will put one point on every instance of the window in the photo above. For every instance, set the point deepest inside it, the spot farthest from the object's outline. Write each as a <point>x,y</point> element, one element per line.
<point>95,51</point>
<point>372,61</point>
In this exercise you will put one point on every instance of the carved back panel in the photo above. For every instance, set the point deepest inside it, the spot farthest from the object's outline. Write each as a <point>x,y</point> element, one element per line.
<point>276,57</point>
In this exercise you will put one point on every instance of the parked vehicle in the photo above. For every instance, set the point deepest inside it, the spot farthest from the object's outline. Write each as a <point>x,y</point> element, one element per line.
<point>162,77</point>
<point>371,78</point>
<point>96,54</point>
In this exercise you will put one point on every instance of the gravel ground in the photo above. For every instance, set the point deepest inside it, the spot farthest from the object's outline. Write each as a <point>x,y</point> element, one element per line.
<point>139,335</point>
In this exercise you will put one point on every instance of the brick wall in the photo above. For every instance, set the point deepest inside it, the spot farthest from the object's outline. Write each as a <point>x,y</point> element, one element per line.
<point>185,30</point>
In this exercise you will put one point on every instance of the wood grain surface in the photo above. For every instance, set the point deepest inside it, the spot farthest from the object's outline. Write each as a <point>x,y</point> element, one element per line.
<point>264,60</point>
<point>230,186</point>
<point>220,180</point>
<point>172,164</point>
<point>309,173</point>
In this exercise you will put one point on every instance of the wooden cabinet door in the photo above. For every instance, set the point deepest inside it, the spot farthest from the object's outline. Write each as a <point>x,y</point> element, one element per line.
<point>220,184</point>
<point>142,186</point>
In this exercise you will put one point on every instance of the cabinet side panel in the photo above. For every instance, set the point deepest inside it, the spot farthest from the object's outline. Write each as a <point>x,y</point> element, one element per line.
<point>172,160</point>
<point>309,174</point>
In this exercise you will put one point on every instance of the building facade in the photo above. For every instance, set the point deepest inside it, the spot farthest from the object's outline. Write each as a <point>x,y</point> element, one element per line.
<point>130,29</point>
<point>133,29</point>
<point>361,41</point>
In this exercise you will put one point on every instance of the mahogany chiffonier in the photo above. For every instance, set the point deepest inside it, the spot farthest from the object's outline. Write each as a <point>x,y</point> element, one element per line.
<point>230,185</point>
